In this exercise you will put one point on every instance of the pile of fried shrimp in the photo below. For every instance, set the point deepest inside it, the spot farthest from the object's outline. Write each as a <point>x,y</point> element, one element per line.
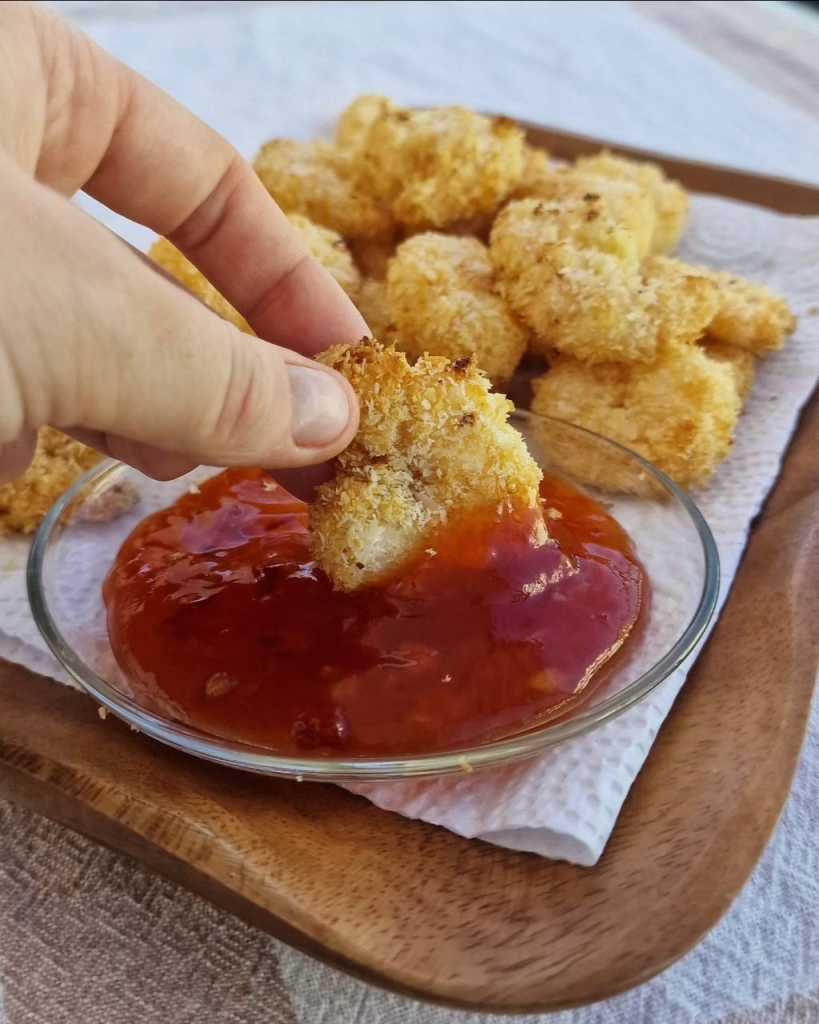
<point>460,242</point>
<point>457,238</point>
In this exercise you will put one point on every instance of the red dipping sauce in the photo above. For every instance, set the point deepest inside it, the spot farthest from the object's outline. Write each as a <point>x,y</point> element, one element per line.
<point>217,613</point>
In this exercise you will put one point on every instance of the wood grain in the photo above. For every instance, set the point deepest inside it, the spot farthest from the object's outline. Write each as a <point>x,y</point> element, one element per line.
<point>419,910</point>
<point>775,193</point>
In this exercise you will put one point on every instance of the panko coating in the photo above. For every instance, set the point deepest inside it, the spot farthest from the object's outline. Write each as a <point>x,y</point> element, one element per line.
<point>330,249</point>
<point>572,272</point>
<point>442,300</point>
<point>432,441</point>
<point>167,256</point>
<point>436,167</point>
<point>563,450</point>
<point>58,462</point>
<point>750,316</point>
<point>679,412</point>
<point>740,360</point>
<point>670,198</point>
<point>315,179</point>
<point>356,120</point>
<point>629,204</point>
<point>682,300</point>
<point>373,304</point>
<point>537,174</point>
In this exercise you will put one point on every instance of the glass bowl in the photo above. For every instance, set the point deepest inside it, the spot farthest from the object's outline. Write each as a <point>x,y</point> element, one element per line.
<point>77,543</point>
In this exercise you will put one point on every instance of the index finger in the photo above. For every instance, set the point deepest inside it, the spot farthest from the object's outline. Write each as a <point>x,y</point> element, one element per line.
<point>161,166</point>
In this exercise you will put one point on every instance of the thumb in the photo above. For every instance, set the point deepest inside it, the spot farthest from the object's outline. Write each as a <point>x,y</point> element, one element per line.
<point>101,343</point>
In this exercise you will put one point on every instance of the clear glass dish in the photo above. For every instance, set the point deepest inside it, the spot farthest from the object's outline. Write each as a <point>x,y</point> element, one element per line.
<point>75,546</point>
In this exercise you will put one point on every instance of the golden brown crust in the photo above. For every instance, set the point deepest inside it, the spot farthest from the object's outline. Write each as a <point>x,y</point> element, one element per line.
<point>537,174</point>
<point>669,197</point>
<point>571,273</point>
<point>356,121</point>
<point>678,412</point>
<point>682,300</point>
<point>330,249</point>
<point>433,440</point>
<point>167,256</point>
<point>442,300</point>
<point>629,204</point>
<point>58,462</point>
<point>571,270</point>
<point>316,179</point>
<point>373,304</point>
<point>436,167</point>
<point>750,316</point>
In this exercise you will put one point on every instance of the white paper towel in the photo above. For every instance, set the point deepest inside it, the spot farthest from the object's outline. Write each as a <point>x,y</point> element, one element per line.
<point>564,803</point>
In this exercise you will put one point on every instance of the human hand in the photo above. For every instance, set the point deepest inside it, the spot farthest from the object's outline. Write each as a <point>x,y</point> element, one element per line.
<point>95,341</point>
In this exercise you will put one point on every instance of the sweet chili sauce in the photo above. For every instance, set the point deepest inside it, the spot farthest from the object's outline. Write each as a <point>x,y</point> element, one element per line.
<point>218,616</point>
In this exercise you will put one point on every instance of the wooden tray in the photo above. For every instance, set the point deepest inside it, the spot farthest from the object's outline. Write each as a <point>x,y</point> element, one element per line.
<point>416,909</point>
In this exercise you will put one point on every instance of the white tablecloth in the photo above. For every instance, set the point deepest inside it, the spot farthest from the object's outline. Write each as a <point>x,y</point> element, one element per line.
<point>115,944</point>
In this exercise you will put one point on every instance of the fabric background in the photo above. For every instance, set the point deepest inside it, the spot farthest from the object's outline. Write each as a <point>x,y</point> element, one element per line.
<point>88,935</point>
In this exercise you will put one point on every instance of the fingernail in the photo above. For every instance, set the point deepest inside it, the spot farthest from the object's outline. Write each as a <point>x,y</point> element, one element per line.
<point>320,409</point>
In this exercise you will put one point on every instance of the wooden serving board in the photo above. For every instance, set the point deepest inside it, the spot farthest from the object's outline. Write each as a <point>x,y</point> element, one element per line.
<point>414,908</point>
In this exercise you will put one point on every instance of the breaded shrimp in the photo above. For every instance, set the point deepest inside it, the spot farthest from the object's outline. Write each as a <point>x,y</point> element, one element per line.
<point>679,412</point>
<point>670,198</point>
<point>356,121</point>
<point>442,300</point>
<point>433,441</point>
<point>537,174</point>
<point>572,272</point>
<point>436,167</point>
<point>315,179</point>
<point>58,462</point>
<point>373,304</point>
<point>681,299</point>
<point>330,249</point>
<point>167,256</point>
<point>750,316</point>
<point>629,204</point>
